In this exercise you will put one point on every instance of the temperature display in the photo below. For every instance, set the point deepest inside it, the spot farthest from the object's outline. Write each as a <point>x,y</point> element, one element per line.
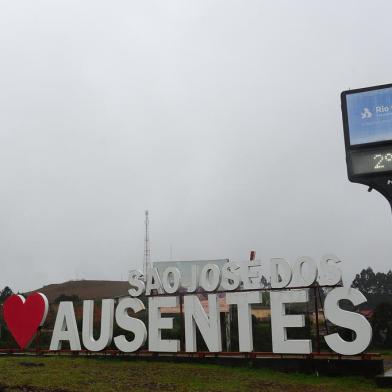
<point>373,161</point>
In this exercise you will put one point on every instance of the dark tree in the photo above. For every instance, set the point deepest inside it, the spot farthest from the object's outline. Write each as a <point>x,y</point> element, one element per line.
<point>382,325</point>
<point>5,293</point>
<point>377,287</point>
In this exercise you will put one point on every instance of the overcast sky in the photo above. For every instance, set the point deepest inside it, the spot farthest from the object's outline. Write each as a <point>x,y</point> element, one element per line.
<point>220,117</point>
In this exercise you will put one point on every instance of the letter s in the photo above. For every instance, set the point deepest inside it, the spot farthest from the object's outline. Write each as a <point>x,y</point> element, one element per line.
<point>346,319</point>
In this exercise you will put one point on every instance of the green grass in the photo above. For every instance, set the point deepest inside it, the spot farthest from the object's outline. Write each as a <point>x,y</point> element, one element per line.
<point>386,353</point>
<point>61,374</point>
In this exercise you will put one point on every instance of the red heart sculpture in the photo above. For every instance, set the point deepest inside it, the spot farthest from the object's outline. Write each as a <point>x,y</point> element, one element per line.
<point>23,317</point>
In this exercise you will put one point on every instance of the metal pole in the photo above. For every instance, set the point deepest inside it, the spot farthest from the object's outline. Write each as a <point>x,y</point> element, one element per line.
<point>38,341</point>
<point>146,263</point>
<point>317,320</point>
<point>322,309</point>
<point>182,328</point>
<point>228,330</point>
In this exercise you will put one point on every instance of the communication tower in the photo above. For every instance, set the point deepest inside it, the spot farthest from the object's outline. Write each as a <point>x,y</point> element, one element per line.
<point>146,262</point>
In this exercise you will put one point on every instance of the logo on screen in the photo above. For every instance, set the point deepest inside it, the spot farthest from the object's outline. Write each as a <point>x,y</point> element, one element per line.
<point>366,113</point>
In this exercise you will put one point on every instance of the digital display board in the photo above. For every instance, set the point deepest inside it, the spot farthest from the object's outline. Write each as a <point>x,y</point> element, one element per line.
<point>371,161</point>
<point>369,115</point>
<point>367,124</point>
<point>367,121</point>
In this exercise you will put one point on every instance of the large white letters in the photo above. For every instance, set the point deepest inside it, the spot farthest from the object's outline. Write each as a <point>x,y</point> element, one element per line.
<point>286,287</point>
<point>346,319</point>
<point>106,325</point>
<point>280,321</point>
<point>156,324</point>
<point>153,282</point>
<point>304,272</point>
<point>281,273</point>
<point>136,282</point>
<point>210,277</point>
<point>65,328</point>
<point>329,273</point>
<point>171,280</point>
<point>130,324</point>
<point>209,324</point>
<point>243,302</point>
<point>230,279</point>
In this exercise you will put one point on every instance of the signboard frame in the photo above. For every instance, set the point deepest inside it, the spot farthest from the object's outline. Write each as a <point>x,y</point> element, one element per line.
<point>364,146</point>
<point>382,180</point>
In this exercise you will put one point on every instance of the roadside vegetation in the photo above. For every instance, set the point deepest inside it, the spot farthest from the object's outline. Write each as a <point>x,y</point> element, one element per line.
<point>66,374</point>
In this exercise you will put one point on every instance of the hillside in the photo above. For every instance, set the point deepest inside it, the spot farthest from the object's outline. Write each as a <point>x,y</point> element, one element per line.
<point>85,289</point>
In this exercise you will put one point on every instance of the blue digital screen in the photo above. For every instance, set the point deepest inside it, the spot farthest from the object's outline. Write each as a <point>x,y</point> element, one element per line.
<point>370,116</point>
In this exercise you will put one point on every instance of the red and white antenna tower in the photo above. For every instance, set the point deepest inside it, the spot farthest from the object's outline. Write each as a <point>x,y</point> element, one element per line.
<point>147,253</point>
